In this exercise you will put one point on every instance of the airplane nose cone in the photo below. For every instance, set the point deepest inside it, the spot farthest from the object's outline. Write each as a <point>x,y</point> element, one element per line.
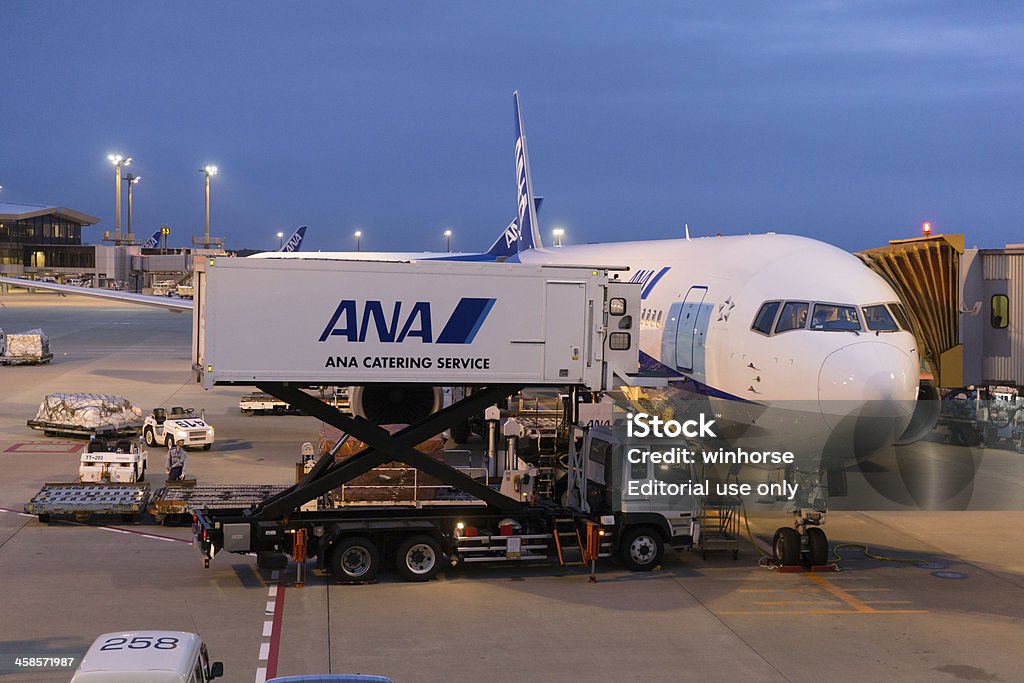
<point>867,392</point>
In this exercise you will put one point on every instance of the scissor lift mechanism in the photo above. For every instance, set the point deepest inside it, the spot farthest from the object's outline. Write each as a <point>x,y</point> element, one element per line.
<point>382,447</point>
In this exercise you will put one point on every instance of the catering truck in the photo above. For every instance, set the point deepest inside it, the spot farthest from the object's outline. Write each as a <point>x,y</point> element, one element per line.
<point>496,327</point>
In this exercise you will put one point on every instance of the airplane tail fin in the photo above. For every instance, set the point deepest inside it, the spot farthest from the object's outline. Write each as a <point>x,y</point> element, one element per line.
<point>529,230</point>
<point>507,243</point>
<point>295,241</point>
<point>153,241</point>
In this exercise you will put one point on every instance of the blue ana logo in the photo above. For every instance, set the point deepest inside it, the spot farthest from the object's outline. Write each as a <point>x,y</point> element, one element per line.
<point>511,234</point>
<point>647,279</point>
<point>355,323</point>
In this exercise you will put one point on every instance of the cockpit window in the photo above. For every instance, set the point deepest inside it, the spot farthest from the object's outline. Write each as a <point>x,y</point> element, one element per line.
<point>794,316</point>
<point>878,319</point>
<point>835,317</point>
<point>900,315</point>
<point>766,316</point>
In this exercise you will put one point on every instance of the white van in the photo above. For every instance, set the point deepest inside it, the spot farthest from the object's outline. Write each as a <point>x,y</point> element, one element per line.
<point>147,657</point>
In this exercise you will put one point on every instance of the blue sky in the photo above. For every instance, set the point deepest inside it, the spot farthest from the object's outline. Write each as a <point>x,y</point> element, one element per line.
<point>848,122</point>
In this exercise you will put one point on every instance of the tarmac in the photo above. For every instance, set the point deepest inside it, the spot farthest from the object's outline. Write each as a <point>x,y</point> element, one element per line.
<point>958,614</point>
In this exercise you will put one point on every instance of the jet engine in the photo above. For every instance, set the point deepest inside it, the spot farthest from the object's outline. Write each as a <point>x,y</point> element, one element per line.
<point>394,403</point>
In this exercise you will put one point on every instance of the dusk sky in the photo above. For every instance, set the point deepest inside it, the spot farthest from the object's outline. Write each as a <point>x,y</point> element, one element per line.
<point>848,122</point>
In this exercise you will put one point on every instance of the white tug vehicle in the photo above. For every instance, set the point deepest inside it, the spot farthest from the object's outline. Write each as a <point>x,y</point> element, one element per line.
<point>119,462</point>
<point>180,424</point>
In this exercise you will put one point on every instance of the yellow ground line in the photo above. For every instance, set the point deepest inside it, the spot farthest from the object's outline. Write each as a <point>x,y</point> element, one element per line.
<point>871,611</point>
<point>792,602</point>
<point>768,613</point>
<point>838,592</point>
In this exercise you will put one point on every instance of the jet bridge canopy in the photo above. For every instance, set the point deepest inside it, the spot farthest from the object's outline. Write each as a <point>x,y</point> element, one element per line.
<point>925,272</point>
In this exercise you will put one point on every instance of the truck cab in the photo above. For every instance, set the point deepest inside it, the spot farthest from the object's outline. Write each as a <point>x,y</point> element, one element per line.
<point>643,523</point>
<point>163,427</point>
<point>121,462</point>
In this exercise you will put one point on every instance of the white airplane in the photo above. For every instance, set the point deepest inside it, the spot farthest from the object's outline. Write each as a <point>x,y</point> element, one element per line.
<point>794,344</point>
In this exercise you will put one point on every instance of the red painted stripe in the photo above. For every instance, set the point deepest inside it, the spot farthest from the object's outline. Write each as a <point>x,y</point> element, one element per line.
<point>106,528</point>
<point>275,633</point>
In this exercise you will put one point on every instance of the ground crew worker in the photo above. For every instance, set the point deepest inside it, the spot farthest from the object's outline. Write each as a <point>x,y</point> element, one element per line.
<point>176,457</point>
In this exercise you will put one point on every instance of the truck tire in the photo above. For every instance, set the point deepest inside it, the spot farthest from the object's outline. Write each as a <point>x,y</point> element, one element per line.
<point>354,559</point>
<point>149,436</point>
<point>641,549</point>
<point>207,446</point>
<point>418,558</point>
<point>169,442</point>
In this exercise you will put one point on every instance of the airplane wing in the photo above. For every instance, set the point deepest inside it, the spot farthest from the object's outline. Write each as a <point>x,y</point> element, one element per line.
<point>168,303</point>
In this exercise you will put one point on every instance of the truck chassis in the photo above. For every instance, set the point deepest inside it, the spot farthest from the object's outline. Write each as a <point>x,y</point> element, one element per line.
<point>353,543</point>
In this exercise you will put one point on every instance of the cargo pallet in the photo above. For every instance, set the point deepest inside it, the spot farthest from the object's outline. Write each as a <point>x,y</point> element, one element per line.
<point>83,502</point>
<point>26,360</point>
<point>106,431</point>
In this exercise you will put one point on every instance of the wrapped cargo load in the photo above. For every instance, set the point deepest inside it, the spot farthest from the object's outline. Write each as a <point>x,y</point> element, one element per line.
<point>91,412</point>
<point>33,343</point>
<point>391,483</point>
<point>25,347</point>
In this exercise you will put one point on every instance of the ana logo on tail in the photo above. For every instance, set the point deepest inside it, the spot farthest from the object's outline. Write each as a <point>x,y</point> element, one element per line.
<point>529,231</point>
<point>295,241</point>
<point>152,242</point>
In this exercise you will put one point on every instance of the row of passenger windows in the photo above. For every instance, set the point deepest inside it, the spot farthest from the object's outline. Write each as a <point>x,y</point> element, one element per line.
<point>783,316</point>
<point>651,317</point>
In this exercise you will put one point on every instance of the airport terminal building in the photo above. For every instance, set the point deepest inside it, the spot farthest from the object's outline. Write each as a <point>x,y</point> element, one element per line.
<point>39,241</point>
<point>35,238</point>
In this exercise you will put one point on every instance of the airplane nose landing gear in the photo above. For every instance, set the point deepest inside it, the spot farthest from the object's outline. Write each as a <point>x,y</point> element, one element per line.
<point>804,544</point>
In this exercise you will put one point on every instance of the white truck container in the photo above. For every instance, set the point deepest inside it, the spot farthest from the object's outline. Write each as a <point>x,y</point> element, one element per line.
<point>422,322</point>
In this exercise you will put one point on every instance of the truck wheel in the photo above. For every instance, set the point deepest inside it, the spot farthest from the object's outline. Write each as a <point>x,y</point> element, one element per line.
<point>169,442</point>
<point>641,549</point>
<point>817,545</point>
<point>207,446</point>
<point>150,437</point>
<point>354,559</point>
<point>418,558</point>
<point>786,547</point>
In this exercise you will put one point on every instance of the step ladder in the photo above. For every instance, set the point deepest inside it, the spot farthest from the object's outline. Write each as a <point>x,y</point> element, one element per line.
<point>719,525</point>
<point>544,484</point>
<point>568,542</point>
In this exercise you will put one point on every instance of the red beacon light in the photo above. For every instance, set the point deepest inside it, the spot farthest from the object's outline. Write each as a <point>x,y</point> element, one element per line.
<point>927,229</point>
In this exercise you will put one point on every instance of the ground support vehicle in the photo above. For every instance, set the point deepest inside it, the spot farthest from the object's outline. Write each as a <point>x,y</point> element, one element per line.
<point>121,462</point>
<point>148,657</point>
<point>82,502</point>
<point>181,424</point>
<point>495,328</point>
<point>486,525</point>
<point>983,416</point>
<point>265,404</point>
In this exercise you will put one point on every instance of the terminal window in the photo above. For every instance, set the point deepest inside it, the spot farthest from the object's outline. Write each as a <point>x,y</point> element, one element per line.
<point>1000,311</point>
